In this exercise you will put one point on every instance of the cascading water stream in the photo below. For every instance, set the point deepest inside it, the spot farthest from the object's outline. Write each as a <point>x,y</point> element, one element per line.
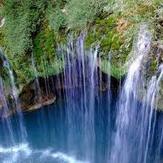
<point>70,131</point>
<point>38,93</point>
<point>13,139</point>
<point>81,96</point>
<point>123,149</point>
<point>14,95</point>
<point>138,138</point>
<point>150,115</point>
<point>81,75</point>
<point>22,132</point>
<point>8,130</point>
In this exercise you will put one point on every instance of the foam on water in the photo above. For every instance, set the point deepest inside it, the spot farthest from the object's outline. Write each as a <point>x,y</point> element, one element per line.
<point>22,152</point>
<point>14,149</point>
<point>66,158</point>
<point>13,153</point>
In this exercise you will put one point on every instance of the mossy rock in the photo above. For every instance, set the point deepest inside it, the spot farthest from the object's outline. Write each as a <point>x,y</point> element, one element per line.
<point>109,68</point>
<point>109,33</point>
<point>2,41</point>
<point>45,55</point>
<point>104,33</point>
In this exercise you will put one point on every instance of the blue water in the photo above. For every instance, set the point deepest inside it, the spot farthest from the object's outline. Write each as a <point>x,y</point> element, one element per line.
<point>58,129</point>
<point>55,134</point>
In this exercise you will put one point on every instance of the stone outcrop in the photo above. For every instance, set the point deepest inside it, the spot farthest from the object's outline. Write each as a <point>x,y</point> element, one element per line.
<point>149,68</point>
<point>45,91</point>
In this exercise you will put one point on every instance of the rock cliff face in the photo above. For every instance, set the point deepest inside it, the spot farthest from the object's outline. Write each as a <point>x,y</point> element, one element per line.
<point>155,58</point>
<point>157,53</point>
<point>45,91</point>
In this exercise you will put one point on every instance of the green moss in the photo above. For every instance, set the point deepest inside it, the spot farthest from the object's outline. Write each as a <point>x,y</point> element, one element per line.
<point>103,31</point>
<point>61,37</point>
<point>115,33</point>
<point>21,21</point>
<point>80,13</point>
<point>44,42</point>
<point>45,57</point>
<point>111,69</point>
<point>1,38</point>
<point>55,17</point>
<point>153,67</point>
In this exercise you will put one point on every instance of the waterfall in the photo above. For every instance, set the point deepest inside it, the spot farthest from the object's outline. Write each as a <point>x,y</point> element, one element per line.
<point>138,138</point>
<point>80,73</point>
<point>22,132</point>
<point>38,93</point>
<point>150,115</point>
<point>83,125</point>
<point>14,96</point>
<point>7,129</point>
<point>13,138</point>
<point>124,149</point>
<point>74,134</point>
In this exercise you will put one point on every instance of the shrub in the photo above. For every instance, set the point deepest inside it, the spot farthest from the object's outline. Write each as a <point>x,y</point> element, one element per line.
<point>21,19</point>
<point>55,17</point>
<point>79,13</point>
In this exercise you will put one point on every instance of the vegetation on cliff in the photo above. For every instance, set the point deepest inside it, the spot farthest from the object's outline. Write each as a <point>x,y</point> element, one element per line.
<point>33,29</point>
